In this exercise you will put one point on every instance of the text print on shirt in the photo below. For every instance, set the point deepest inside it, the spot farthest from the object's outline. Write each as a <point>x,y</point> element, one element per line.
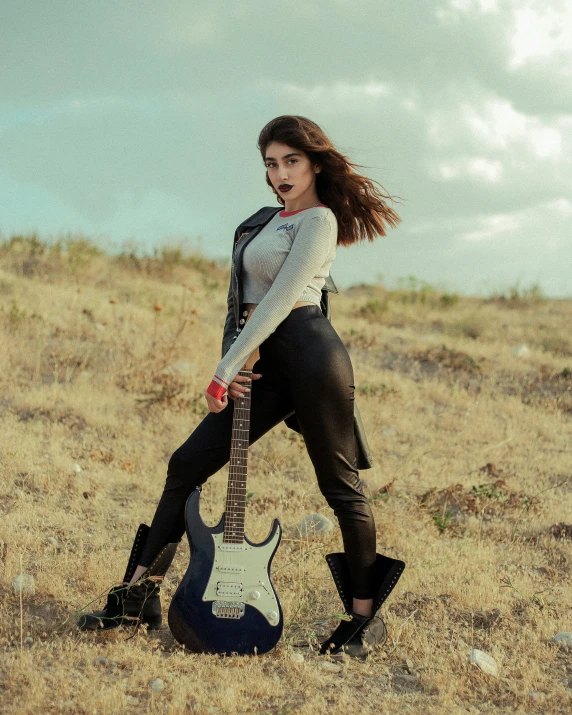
<point>285,227</point>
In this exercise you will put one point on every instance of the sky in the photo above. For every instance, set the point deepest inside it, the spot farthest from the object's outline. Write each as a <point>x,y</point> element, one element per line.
<point>131,120</point>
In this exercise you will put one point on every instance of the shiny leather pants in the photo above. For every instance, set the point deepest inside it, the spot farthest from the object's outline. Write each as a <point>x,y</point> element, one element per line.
<point>305,368</point>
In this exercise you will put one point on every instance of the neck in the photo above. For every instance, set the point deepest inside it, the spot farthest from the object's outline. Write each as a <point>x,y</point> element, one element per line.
<point>302,202</point>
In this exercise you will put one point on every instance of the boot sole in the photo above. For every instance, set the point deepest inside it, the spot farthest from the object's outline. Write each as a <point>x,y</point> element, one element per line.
<point>153,624</point>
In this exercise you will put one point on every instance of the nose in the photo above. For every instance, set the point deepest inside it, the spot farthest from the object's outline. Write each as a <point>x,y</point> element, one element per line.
<point>284,172</point>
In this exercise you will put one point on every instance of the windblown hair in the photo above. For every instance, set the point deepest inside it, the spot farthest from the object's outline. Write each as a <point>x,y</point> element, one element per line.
<point>358,205</point>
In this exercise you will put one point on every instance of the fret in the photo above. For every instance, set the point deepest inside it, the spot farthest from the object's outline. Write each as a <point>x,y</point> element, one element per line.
<point>238,468</point>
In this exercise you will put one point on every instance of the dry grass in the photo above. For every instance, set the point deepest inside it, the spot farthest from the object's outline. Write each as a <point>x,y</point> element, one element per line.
<point>472,487</point>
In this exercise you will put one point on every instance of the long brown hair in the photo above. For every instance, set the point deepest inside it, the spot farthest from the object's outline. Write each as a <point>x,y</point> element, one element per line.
<point>358,205</point>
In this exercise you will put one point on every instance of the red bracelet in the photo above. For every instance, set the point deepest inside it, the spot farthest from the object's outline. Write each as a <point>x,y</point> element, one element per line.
<point>216,390</point>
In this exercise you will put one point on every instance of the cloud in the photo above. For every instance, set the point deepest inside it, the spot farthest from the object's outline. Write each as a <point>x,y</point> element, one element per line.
<point>454,7</point>
<point>475,167</point>
<point>493,227</point>
<point>542,30</point>
<point>494,124</point>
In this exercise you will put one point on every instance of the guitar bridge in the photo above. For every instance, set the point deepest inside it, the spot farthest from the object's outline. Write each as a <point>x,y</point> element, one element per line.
<point>228,609</point>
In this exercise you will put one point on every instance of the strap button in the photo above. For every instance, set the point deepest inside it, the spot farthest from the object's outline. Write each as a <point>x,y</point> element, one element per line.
<point>245,313</point>
<point>241,321</point>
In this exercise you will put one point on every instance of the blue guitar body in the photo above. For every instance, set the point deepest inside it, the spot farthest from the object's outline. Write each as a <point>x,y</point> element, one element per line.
<point>226,602</point>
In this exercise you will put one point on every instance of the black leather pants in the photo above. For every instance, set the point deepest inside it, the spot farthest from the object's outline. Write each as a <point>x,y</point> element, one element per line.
<point>305,368</point>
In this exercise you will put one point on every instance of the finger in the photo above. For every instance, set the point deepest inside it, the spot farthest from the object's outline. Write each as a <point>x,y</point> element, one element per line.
<point>241,378</point>
<point>256,375</point>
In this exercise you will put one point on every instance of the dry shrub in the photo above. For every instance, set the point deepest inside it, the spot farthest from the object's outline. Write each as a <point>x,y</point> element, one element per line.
<point>551,386</point>
<point>490,499</point>
<point>451,359</point>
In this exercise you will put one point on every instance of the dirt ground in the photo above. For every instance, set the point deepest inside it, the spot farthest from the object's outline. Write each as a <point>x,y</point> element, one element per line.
<point>103,364</point>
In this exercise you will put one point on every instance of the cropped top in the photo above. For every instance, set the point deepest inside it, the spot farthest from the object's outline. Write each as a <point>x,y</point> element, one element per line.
<point>288,261</point>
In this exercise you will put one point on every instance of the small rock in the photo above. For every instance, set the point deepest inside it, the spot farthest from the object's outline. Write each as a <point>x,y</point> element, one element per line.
<point>67,704</point>
<point>29,641</point>
<point>405,682</point>
<point>296,657</point>
<point>99,326</point>
<point>485,662</point>
<point>195,707</point>
<point>131,700</point>
<point>314,524</point>
<point>563,639</point>
<point>76,468</point>
<point>522,351</point>
<point>388,432</point>
<point>536,695</point>
<point>47,456</point>
<point>113,665</point>
<point>51,541</point>
<point>18,493</point>
<point>157,684</point>
<point>24,583</point>
<point>100,661</point>
<point>330,667</point>
<point>181,367</point>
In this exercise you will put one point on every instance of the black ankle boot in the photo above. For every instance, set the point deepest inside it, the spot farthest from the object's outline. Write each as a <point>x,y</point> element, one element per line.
<point>139,603</point>
<point>360,635</point>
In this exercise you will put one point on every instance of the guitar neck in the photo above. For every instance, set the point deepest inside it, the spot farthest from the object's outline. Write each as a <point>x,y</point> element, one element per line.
<point>238,469</point>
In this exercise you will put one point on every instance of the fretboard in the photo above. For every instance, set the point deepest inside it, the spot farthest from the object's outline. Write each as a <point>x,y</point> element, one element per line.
<point>238,469</point>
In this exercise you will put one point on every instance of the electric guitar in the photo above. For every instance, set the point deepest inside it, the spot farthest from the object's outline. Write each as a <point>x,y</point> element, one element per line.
<point>226,602</point>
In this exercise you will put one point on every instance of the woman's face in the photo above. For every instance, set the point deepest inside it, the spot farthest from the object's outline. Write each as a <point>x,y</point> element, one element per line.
<point>290,171</point>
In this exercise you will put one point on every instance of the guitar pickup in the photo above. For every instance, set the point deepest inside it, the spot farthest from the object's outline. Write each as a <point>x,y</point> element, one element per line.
<point>224,588</point>
<point>230,569</point>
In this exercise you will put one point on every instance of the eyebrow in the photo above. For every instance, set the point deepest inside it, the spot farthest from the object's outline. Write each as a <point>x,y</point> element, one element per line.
<point>286,156</point>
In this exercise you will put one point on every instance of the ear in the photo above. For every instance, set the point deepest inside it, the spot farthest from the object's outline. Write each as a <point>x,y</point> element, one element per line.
<point>317,168</point>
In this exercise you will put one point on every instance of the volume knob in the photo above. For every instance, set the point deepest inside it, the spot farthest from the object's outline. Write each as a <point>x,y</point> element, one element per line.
<point>254,595</point>
<point>272,615</point>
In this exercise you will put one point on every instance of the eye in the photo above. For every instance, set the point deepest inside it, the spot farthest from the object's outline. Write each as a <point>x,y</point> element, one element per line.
<point>293,161</point>
<point>270,165</point>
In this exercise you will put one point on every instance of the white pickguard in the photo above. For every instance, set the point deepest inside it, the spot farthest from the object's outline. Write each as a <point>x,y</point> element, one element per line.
<point>240,576</point>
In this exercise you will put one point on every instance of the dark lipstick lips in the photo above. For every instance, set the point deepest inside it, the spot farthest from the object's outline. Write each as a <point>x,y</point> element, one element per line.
<point>285,187</point>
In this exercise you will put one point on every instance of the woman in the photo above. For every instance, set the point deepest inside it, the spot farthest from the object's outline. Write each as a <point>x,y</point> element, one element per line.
<point>281,262</point>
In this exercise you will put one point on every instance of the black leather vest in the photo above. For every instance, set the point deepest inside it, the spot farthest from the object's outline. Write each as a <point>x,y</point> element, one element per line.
<point>243,235</point>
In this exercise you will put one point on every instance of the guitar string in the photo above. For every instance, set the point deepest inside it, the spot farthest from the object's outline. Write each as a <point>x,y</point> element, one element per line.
<point>239,462</point>
<point>238,470</point>
<point>237,481</point>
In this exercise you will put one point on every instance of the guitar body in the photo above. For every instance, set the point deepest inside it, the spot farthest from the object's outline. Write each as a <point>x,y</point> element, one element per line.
<point>226,602</point>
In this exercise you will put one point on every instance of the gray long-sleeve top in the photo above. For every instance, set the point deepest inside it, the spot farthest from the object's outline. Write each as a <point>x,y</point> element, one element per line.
<point>288,261</point>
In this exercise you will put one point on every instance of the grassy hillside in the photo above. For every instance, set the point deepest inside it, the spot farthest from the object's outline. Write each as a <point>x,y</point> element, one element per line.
<point>103,364</point>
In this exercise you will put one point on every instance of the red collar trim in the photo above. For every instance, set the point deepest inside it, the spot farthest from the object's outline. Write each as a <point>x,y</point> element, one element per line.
<point>291,213</point>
